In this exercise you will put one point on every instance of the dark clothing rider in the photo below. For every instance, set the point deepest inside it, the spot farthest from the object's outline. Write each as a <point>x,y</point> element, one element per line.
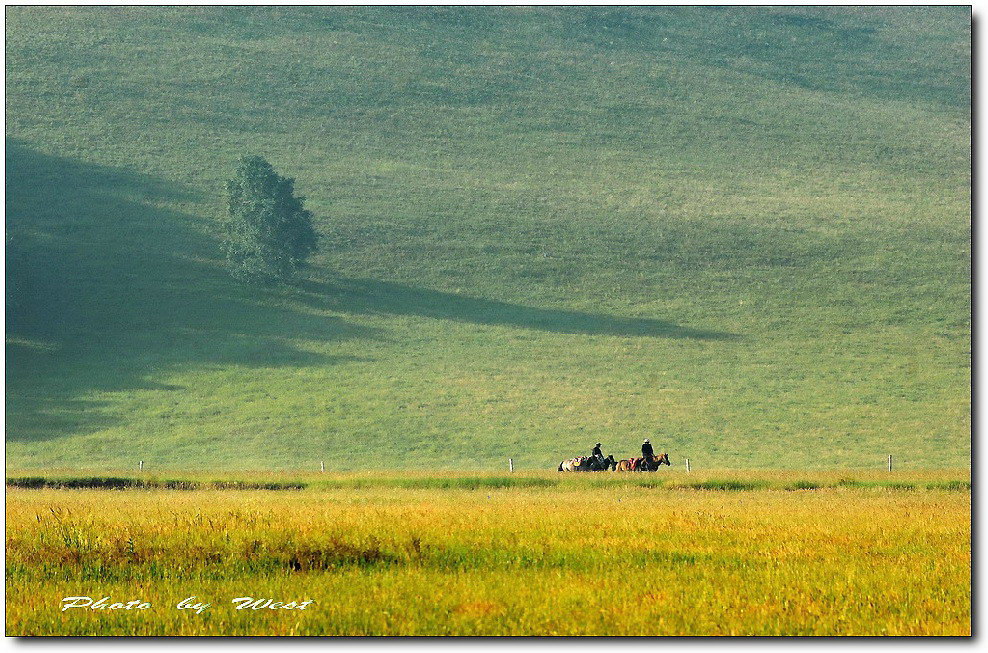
<point>597,454</point>
<point>647,454</point>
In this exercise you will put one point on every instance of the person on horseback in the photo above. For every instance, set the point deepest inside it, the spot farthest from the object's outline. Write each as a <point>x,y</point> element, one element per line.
<point>597,455</point>
<point>647,455</point>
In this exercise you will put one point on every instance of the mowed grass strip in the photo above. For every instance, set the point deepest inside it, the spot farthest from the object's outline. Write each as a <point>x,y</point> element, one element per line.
<point>570,560</point>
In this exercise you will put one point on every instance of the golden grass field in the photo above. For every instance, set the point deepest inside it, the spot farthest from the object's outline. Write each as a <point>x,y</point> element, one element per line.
<point>580,554</point>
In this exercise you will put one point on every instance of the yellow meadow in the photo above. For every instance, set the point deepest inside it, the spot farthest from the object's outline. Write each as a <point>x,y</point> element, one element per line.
<point>582,557</point>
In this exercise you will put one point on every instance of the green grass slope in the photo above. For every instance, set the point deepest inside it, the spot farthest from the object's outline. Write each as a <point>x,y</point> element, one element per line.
<point>743,233</point>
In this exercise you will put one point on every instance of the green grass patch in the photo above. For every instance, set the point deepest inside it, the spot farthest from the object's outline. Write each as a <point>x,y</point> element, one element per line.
<point>950,485</point>
<point>448,483</point>
<point>803,485</point>
<point>442,483</point>
<point>121,483</point>
<point>91,482</point>
<point>551,482</point>
<point>886,485</point>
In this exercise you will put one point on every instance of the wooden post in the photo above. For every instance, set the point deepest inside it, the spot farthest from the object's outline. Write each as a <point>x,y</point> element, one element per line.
<point>322,465</point>
<point>890,462</point>
<point>687,465</point>
<point>511,465</point>
<point>141,466</point>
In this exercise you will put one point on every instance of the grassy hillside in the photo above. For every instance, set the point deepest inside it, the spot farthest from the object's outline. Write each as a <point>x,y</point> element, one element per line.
<point>743,233</point>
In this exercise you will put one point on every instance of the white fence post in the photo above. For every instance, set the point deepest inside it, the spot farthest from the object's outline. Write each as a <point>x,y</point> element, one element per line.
<point>511,465</point>
<point>890,462</point>
<point>687,465</point>
<point>322,465</point>
<point>141,466</point>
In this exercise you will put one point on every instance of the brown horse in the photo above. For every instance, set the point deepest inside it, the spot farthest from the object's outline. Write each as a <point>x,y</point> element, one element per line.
<point>641,465</point>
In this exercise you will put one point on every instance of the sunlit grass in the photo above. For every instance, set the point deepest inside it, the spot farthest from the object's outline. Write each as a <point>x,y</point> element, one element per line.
<point>581,557</point>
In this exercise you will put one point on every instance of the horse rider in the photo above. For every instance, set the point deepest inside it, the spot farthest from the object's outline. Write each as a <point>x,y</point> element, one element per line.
<point>597,455</point>
<point>647,455</point>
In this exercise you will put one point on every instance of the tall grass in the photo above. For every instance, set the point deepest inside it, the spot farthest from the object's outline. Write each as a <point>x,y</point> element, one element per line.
<point>579,559</point>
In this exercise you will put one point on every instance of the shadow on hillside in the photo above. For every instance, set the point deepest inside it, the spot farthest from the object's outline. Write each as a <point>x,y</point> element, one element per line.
<point>811,48</point>
<point>115,288</point>
<point>112,289</point>
<point>381,297</point>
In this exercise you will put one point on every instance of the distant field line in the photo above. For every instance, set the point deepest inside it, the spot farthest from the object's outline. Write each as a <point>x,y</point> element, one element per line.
<point>601,480</point>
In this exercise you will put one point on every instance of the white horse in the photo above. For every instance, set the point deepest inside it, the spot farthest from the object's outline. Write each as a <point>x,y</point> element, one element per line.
<point>587,464</point>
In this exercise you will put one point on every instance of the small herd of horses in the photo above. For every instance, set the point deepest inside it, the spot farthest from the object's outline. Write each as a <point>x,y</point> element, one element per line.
<point>591,464</point>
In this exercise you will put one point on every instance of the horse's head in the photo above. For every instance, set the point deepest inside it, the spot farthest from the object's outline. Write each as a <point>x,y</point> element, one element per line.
<point>610,463</point>
<point>663,460</point>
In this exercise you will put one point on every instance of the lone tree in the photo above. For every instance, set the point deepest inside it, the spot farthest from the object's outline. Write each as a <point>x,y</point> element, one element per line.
<point>269,233</point>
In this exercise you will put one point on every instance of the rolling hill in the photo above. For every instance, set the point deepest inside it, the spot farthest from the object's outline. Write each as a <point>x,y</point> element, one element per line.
<point>744,233</point>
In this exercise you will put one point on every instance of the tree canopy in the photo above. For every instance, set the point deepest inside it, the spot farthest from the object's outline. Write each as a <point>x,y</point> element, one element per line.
<point>269,233</point>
